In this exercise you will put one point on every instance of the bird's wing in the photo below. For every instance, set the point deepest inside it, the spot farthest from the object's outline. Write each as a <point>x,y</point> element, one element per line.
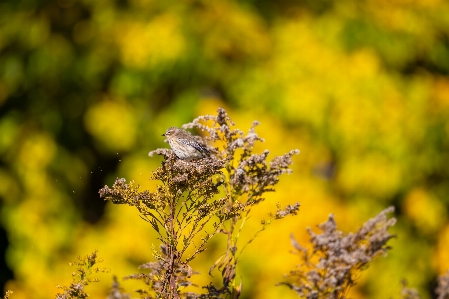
<point>196,145</point>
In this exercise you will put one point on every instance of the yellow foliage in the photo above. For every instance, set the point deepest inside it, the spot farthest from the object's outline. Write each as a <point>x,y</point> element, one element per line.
<point>441,257</point>
<point>440,94</point>
<point>426,211</point>
<point>36,152</point>
<point>231,31</point>
<point>408,3</point>
<point>9,189</point>
<point>374,174</point>
<point>149,44</point>
<point>112,123</point>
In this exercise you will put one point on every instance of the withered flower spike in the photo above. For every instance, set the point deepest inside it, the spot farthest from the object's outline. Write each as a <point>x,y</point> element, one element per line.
<point>337,259</point>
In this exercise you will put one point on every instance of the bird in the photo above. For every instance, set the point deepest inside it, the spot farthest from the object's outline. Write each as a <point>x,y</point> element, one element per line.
<point>184,145</point>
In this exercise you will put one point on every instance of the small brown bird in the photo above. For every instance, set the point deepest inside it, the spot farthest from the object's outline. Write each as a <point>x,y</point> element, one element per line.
<point>184,145</point>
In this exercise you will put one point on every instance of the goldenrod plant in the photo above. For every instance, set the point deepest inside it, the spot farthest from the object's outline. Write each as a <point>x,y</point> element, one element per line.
<point>203,197</point>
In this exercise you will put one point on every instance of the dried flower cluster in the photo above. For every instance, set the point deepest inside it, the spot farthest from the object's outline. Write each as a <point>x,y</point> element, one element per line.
<point>116,291</point>
<point>337,259</point>
<point>408,293</point>
<point>214,193</point>
<point>81,278</point>
<point>8,294</point>
<point>249,173</point>
<point>442,289</point>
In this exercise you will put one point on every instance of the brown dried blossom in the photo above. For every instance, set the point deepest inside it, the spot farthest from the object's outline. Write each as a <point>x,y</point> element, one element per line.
<point>116,291</point>
<point>8,294</point>
<point>442,289</point>
<point>408,293</point>
<point>288,210</point>
<point>337,259</point>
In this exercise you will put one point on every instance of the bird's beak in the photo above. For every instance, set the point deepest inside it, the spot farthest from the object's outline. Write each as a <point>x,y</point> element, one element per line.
<point>163,134</point>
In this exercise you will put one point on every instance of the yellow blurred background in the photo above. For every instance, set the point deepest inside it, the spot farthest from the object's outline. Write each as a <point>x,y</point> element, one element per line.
<point>88,87</point>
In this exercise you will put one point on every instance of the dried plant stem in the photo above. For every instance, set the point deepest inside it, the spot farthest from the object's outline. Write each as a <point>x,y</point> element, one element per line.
<point>170,291</point>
